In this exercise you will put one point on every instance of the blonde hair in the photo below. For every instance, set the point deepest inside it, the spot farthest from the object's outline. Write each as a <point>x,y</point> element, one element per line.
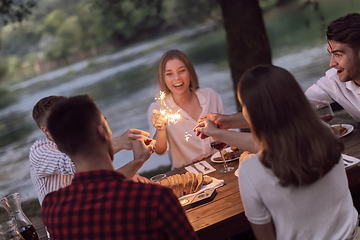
<point>176,54</point>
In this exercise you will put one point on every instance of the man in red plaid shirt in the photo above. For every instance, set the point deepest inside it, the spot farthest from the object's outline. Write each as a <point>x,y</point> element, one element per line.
<point>101,203</point>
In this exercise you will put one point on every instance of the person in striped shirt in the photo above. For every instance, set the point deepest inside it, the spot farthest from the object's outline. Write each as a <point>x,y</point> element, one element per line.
<point>50,169</point>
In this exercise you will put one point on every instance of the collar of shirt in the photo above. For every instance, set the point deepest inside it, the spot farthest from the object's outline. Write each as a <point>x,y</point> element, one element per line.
<point>171,103</point>
<point>352,86</point>
<point>94,176</point>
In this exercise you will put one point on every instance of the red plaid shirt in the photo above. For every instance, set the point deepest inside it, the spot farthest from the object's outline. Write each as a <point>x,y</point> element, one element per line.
<point>102,205</point>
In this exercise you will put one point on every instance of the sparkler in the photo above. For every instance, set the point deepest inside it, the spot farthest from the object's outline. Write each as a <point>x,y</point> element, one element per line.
<point>168,113</point>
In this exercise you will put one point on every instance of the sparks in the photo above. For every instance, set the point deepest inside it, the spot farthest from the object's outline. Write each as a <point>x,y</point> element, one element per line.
<point>187,136</point>
<point>170,115</point>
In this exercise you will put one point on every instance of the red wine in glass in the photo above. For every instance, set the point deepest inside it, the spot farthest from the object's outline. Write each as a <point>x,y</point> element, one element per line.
<point>327,118</point>
<point>220,146</point>
<point>323,111</point>
<point>28,232</point>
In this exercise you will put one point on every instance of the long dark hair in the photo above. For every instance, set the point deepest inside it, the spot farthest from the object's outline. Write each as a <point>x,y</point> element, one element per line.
<point>296,145</point>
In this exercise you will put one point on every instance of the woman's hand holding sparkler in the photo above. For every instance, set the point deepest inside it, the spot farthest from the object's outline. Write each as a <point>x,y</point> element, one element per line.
<point>159,120</point>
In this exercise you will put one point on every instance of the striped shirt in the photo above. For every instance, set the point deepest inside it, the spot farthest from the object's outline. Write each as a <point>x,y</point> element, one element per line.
<point>50,169</point>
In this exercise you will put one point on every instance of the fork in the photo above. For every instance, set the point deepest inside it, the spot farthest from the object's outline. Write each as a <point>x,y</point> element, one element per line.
<point>348,161</point>
<point>205,167</point>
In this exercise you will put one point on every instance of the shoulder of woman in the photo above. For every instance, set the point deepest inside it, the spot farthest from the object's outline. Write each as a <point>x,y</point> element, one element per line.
<point>207,91</point>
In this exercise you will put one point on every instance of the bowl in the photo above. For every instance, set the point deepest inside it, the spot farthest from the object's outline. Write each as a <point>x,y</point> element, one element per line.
<point>158,177</point>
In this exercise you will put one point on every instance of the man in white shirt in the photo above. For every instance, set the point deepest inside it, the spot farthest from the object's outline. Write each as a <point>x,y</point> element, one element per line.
<point>51,169</point>
<point>341,83</point>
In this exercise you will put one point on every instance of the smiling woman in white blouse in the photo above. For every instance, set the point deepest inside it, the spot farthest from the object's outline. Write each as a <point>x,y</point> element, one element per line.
<point>178,80</point>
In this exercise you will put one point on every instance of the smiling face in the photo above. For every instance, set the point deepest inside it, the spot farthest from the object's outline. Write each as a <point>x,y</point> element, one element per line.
<point>345,60</point>
<point>177,77</point>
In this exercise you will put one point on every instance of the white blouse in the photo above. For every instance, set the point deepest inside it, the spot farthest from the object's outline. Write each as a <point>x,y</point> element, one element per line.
<point>183,144</point>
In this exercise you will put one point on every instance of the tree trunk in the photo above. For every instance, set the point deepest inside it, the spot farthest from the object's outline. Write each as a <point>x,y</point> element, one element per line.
<point>247,40</point>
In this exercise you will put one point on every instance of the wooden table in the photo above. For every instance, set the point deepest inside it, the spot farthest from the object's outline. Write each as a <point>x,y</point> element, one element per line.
<point>224,216</point>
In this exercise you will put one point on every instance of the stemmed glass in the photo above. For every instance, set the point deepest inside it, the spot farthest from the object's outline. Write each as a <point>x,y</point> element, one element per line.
<point>220,146</point>
<point>323,111</point>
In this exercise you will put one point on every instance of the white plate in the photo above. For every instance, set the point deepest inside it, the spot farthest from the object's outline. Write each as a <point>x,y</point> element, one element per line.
<point>349,128</point>
<point>217,154</point>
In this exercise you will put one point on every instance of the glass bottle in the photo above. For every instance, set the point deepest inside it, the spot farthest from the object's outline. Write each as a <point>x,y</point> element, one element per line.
<point>12,205</point>
<point>9,231</point>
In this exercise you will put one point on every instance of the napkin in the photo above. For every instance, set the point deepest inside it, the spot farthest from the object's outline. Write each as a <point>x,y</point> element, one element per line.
<point>349,160</point>
<point>216,183</point>
<point>204,167</point>
<point>191,169</point>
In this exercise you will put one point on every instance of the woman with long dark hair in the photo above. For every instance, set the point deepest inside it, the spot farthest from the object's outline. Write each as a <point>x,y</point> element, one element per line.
<point>295,187</point>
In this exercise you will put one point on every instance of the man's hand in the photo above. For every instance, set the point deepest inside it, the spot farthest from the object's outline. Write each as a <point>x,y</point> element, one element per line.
<point>143,148</point>
<point>235,120</point>
<point>138,178</point>
<point>205,129</point>
<point>222,121</point>
<point>125,140</point>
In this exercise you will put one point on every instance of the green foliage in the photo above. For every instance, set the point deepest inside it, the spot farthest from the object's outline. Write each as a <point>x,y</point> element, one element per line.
<point>68,42</point>
<point>61,29</point>
<point>185,12</point>
<point>3,69</point>
<point>138,18</point>
<point>13,63</point>
<point>130,17</point>
<point>94,33</point>
<point>20,39</point>
<point>15,11</point>
<point>54,20</point>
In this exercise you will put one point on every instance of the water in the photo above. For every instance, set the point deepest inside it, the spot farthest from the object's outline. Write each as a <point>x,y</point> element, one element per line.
<point>124,88</point>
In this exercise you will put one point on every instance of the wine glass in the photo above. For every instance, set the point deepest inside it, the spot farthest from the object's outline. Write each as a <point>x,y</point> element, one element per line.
<point>323,111</point>
<point>220,146</point>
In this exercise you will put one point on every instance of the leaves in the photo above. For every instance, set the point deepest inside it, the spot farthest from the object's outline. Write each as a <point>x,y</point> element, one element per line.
<point>15,10</point>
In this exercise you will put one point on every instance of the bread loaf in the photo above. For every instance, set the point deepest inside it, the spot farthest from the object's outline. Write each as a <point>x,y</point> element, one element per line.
<point>245,155</point>
<point>187,183</point>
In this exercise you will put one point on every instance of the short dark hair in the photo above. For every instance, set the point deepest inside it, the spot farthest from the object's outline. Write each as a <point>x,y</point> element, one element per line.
<point>42,108</point>
<point>296,145</point>
<point>72,124</point>
<point>345,30</point>
<point>171,55</point>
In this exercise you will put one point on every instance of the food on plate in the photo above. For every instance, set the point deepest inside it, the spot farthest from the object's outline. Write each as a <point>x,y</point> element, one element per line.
<point>245,155</point>
<point>228,155</point>
<point>233,148</point>
<point>339,130</point>
<point>187,183</point>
